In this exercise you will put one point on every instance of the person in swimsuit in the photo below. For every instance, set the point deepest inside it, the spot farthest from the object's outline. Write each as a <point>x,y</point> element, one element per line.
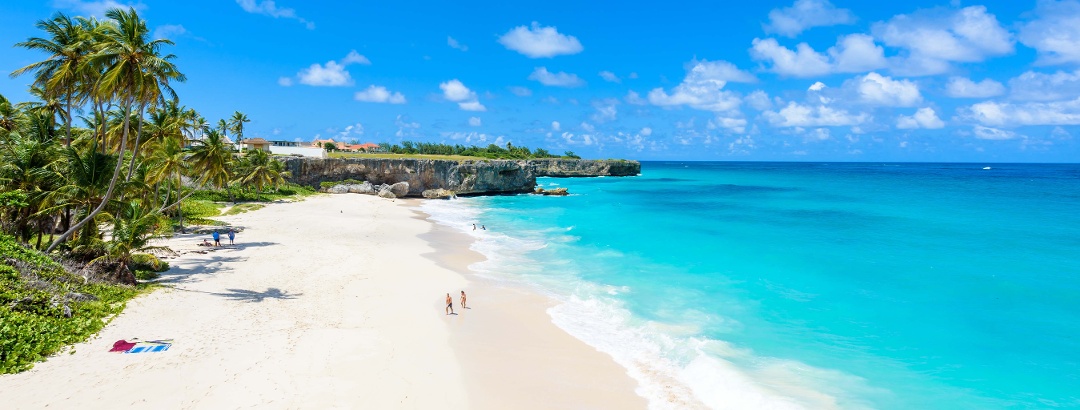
<point>449,304</point>
<point>463,300</point>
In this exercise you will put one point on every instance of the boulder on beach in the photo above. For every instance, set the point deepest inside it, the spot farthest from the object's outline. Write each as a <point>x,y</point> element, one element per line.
<point>387,193</point>
<point>438,193</point>
<point>365,188</point>
<point>338,189</point>
<point>400,189</point>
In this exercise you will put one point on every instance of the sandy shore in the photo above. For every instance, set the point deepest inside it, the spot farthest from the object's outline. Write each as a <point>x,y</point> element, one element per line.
<point>334,302</point>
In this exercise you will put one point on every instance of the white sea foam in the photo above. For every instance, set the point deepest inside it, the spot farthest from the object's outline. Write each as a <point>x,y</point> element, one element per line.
<point>675,368</point>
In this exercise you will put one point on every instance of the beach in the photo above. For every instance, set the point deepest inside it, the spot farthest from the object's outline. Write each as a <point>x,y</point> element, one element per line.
<point>336,301</point>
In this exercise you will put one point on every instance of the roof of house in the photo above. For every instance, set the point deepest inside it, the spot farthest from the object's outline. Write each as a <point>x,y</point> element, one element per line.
<point>255,141</point>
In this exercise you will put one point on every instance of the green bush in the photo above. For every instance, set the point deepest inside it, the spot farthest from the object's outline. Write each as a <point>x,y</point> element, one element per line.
<point>146,261</point>
<point>32,326</point>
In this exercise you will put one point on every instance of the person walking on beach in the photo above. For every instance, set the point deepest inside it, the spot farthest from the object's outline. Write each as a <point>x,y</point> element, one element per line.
<point>232,235</point>
<point>449,304</point>
<point>217,238</point>
<point>474,227</point>
<point>463,300</point>
<point>484,227</point>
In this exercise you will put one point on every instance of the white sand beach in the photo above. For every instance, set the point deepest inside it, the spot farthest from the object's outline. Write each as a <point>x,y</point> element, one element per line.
<point>333,302</point>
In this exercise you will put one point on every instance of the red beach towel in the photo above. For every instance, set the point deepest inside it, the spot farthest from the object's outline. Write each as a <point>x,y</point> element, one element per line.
<point>122,346</point>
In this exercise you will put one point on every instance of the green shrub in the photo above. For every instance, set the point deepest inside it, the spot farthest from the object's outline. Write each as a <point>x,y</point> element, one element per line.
<point>146,261</point>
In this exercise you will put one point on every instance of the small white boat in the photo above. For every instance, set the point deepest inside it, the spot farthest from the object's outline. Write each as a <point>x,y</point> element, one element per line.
<point>986,167</point>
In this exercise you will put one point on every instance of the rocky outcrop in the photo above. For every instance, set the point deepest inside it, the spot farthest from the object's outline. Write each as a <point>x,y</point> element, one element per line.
<point>558,167</point>
<point>552,192</point>
<point>438,193</point>
<point>479,177</point>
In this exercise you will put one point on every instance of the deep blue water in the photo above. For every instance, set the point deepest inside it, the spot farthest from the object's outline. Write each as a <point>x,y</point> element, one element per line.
<point>815,285</point>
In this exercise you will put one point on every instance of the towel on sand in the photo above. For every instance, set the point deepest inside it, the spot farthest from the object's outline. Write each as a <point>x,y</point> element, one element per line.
<point>138,346</point>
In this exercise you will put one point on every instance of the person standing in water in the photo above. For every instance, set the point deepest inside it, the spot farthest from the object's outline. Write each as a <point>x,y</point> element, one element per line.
<point>463,300</point>
<point>449,304</point>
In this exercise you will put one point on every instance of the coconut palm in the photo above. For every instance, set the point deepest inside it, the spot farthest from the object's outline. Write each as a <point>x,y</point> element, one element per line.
<point>135,74</point>
<point>236,125</point>
<point>259,170</point>
<point>212,158</point>
<point>59,75</point>
<point>169,164</point>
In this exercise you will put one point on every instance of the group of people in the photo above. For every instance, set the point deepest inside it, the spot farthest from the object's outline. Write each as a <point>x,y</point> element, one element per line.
<point>483,227</point>
<point>217,238</point>
<point>450,303</point>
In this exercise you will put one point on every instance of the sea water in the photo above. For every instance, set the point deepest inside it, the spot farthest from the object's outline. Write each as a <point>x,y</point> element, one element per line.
<point>808,285</point>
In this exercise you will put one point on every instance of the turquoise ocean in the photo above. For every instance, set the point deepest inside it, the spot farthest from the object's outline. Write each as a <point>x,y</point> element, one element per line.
<point>808,285</point>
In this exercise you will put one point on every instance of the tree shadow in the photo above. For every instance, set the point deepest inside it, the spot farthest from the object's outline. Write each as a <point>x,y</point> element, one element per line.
<point>243,295</point>
<point>179,275</point>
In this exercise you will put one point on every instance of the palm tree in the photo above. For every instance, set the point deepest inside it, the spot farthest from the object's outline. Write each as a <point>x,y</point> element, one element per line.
<point>237,126</point>
<point>212,158</point>
<point>86,178</point>
<point>259,170</point>
<point>133,227</point>
<point>8,113</point>
<point>135,73</point>
<point>59,75</point>
<point>169,163</point>
<point>24,164</point>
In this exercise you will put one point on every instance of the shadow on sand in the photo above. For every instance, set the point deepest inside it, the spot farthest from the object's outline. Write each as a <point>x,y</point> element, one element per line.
<point>244,295</point>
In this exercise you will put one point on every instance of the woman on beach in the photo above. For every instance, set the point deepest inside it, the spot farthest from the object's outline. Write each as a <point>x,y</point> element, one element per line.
<point>449,304</point>
<point>463,300</point>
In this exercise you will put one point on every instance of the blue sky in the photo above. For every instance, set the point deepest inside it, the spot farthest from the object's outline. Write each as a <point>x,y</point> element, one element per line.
<point>805,80</point>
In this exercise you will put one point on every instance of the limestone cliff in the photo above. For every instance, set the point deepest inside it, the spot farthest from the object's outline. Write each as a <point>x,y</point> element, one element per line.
<point>462,177</point>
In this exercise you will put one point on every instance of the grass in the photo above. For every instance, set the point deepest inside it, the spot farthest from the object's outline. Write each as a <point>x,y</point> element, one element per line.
<point>32,326</point>
<point>241,208</point>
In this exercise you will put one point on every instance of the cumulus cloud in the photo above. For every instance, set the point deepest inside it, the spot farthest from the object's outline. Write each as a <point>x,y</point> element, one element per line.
<point>540,42</point>
<point>646,131</point>
<point>633,98</point>
<point>805,14</point>
<point>379,94</point>
<point>555,126</point>
<point>933,40</point>
<point>853,53</point>
<point>454,90</point>
<point>759,100</point>
<point>474,121</point>
<point>610,77</point>
<point>1055,32</point>
<point>877,89</point>
<point>703,87</point>
<point>923,118</point>
<point>798,115</point>
<point>962,87</point>
<point>270,8</point>
<point>988,133</point>
<point>559,79</point>
<point>1034,86</point>
<point>450,41</point>
<point>331,74</point>
<point>605,110</point>
<point>1005,114</point>
<point>521,91</point>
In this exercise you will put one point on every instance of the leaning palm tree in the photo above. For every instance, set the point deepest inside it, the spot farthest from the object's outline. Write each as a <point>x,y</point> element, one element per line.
<point>136,73</point>
<point>255,171</point>
<point>59,75</point>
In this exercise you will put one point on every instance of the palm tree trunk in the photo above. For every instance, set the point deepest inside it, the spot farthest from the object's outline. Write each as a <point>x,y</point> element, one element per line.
<point>108,193</point>
<point>179,199</point>
<point>138,139</point>
<point>67,141</point>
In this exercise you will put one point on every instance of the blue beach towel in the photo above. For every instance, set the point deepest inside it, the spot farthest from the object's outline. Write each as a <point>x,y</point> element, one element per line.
<point>150,347</point>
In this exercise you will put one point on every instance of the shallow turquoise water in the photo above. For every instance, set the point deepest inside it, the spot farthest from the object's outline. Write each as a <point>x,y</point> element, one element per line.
<point>787,285</point>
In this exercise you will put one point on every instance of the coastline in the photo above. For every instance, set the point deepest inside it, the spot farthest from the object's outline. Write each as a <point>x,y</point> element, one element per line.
<point>314,309</point>
<point>511,353</point>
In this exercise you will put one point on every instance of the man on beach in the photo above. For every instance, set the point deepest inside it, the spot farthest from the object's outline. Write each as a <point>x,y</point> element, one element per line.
<point>217,238</point>
<point>449,304</point>
<point>232,235</point>
<point>463,300</point>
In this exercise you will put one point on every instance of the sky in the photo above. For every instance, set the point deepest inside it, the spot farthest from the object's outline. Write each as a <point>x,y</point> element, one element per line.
<point>803,80</point>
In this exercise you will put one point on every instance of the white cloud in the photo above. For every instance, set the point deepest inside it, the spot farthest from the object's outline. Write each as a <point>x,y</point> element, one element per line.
<point>95,8</point>
<point>467,100</point>
<point>633,98</point>
<point>736,124</point>
<point>987,133</point>
<point>270,8</point>
<point>853,53</point>
<point>555,126</point>
<point>1055,33</point>
<point>817,86</point>
<point>962,87</point>
<point>646,131</point>
<point>521,91</point>
<point>804,14</point>
<point>330,75</point>
<point>924,118</point>
<point>992,113</point>
<point>450,41</point>
<point>474,121</point>
<point>539,42</point>
<point>379,94</point>
<point>1033,86</point>
<point>934,40</point>
<point>797,115</point>
<point>355,58</point>
<point>559,79</point>
<point>703,87</point>
<point>285,81</point>
<point>759,100</point>
<point>169,31</point>
<point>876,89</point>
<point>588,127</point>
<point>605,110</point>
<point>610,77</point>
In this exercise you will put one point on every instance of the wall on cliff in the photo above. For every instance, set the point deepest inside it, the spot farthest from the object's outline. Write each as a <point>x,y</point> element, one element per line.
<point>463,177</point>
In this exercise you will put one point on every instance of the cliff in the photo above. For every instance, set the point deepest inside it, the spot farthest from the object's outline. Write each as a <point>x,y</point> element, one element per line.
<point>462,177</point>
